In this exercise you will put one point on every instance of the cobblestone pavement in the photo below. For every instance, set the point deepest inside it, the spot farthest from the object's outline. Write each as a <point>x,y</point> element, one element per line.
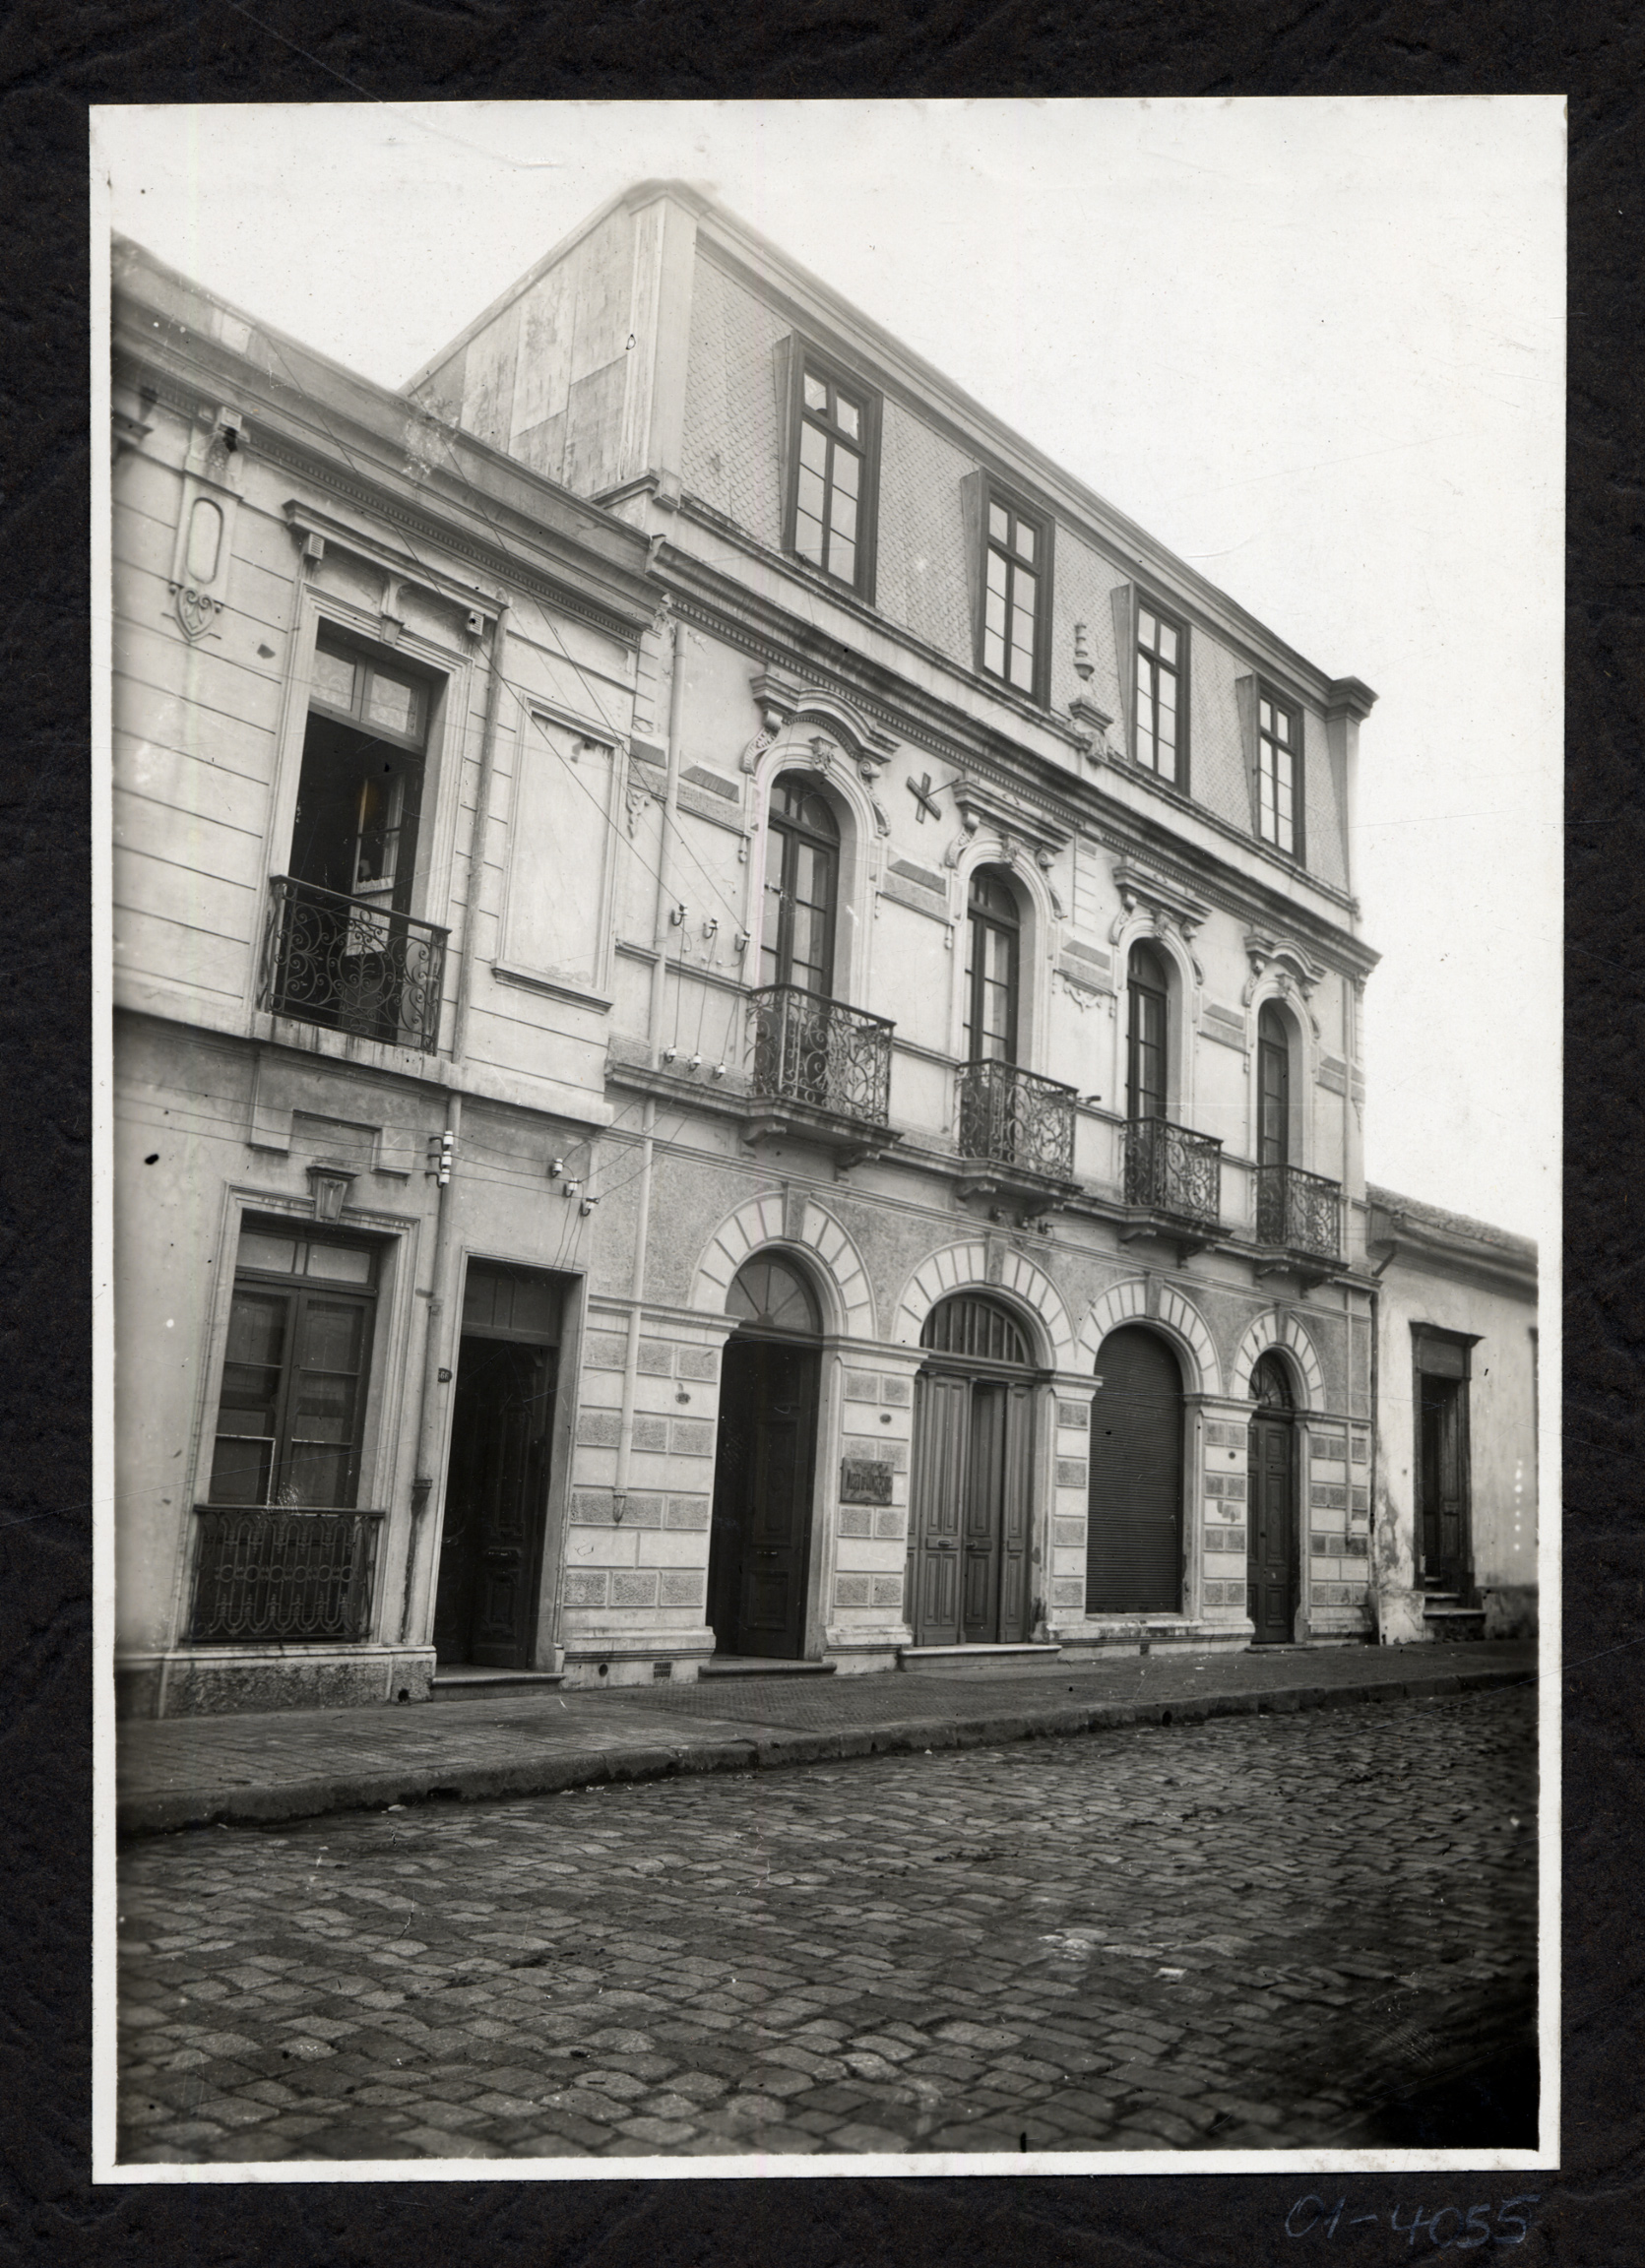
<point>1246,1934</point>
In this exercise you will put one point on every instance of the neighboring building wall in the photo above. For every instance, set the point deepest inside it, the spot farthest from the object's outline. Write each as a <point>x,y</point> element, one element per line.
<point>1440,1273</point>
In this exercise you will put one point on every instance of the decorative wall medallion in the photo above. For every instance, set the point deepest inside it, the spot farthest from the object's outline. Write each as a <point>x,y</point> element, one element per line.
<point>195,612</point>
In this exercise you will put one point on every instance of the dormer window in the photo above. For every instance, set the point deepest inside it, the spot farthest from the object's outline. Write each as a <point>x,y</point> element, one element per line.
<point>830,495</point>
<point>1162,659</point>
<point>1016,595</point>
<point>1278,773</point>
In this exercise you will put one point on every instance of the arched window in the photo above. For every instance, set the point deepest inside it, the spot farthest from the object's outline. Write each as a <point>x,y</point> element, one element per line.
<point>1273,1087</point>
<point>801,887</point>
<point>994,933</point>
<point>1270,1387</point>
<point>771,1294</point>
<point>1147,997</point>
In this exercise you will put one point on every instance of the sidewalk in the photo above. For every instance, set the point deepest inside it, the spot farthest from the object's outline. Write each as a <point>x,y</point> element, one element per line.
<point>190,1772</point>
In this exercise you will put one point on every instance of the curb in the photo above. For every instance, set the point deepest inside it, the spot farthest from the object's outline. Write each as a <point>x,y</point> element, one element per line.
<point>164,1814</point>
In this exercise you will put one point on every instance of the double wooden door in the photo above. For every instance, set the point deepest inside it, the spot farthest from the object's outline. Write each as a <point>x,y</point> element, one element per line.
<point>1134,1536</point>
<point>969,1512</point>
<point>759,1542</point>
<point>1271,1547</point>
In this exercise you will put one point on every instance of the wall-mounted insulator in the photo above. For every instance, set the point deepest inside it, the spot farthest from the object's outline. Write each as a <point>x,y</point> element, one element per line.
<point>719,1070</point>
<point>587,1205</point>
<point>556,1166</point>
<point>442,1150</point>
<point>572,1189</point>
<point>695,1064</point>
<point>711,929</point>
<point>668,1054</point>
<point>676,915</point>
<point>744,938</point>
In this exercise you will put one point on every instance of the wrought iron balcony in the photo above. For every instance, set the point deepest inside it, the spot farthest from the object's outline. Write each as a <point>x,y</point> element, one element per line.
<point>820,1053</point>
<point>1173,1172</point>
<point>1013,1117</point>
<point>1298,1212</point>
<point>264,1572</point>
<point>352,966</point>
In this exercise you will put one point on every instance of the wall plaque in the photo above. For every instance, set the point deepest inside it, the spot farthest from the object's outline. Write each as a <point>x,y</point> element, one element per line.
<point>864,1481</point>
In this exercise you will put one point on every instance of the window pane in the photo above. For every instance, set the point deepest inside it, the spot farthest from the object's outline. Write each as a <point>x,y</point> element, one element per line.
<point>1168,642</point>
<point>845,468</point>
<point>999,524</point>
<point>993,651</point>
<point>1025,541</point>
<point>841,559</point>
<point>993,612</point>
<point>816,393</point>
<point>813,448</point>
<point>843,517</point>
<point>258,1249</point>
<point>810,494</point>
<point>257,1328</point>
<point>1147,629</point>
<point>316,1477</point>
<point>1145,718</point>
<point>330,1338</point>
<point>333,680</point>
<point>1265,715</point>
<point>343,1263</point>
<point>847,418</point>
<point>240,1472</point>
<point>392,702</point>
<point>808,538</point>
<point>1021,667</point>
<point>996,573</point>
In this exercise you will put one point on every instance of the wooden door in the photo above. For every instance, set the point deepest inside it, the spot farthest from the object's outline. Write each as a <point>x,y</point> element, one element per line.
<point>1270,1544</point>
<point>496,1484</point>
<point>1440,1468</point>
<point>936,1510</point>
<point>1134,1550</point>
<point>762,1497</point>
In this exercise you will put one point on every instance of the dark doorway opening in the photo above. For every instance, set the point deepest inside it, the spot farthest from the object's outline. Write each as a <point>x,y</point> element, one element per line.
<point>1134,1536</point>
<point>1442,1480</point>
<point>498,1470</point>
<point>1272,1544</point>
<point>765,1461</point>
<point>971,1478</point>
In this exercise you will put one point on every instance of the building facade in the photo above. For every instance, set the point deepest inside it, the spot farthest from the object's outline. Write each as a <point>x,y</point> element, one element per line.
<point>1456,1498</point>
<point>857,1157</point>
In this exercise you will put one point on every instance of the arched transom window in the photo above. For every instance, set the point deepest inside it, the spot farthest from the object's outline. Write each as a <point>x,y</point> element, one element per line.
<point>771,1294</point>
<point>969,1324</point>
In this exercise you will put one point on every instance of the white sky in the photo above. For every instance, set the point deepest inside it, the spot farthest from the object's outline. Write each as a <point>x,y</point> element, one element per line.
<point>1317,348</point>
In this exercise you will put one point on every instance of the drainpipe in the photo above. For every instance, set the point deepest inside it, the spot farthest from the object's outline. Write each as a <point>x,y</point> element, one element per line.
<point>477,845</point>
<point>661,924</point>
<point>430,1410</point>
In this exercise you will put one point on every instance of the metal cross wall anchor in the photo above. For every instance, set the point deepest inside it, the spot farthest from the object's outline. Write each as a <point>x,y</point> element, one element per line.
<point>924,801</point>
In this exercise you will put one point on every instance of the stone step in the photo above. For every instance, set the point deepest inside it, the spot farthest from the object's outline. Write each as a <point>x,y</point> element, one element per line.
<point>948,1659</point>
<point>1452,1623</point>
<point>762,1665</point>
<point>472,1681</point>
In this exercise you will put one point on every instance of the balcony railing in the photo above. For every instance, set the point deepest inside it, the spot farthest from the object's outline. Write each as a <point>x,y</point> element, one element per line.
<point>1014,1117</point>
<point>1299,1212</point>
<point>820,1052</point>
<point>265,1573</point>
<point>352,966</point>
<point>1173,1172</point>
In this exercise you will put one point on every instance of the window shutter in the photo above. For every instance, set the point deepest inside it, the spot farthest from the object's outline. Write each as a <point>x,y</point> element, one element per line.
<point>1124,601</point>
<point>972,495</point>
<point>1244,694</point>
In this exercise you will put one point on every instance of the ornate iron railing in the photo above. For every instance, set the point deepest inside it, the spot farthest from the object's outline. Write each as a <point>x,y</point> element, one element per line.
<point>818,1052</point>
<point>1014,1117</point>
<point>1300,1212</point>
<point>265,1573</point>
<point>1174,1172</point>
<point>342,962</point>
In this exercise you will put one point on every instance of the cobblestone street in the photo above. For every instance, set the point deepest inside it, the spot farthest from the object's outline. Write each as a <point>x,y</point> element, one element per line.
<point>1245,1933</point>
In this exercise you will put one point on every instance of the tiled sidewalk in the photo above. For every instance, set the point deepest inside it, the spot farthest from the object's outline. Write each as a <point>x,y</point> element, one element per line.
<point>298,1764</point>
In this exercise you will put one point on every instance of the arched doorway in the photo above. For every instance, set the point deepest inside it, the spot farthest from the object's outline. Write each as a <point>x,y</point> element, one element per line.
<point>1134,1536</point>
<point>1271,1536</point>
<point>971,1476</point>
<point>764,1462</point>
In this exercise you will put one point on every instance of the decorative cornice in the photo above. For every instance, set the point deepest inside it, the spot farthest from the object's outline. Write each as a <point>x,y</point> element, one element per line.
<point>1292,961</point>
<point>265,441</point>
